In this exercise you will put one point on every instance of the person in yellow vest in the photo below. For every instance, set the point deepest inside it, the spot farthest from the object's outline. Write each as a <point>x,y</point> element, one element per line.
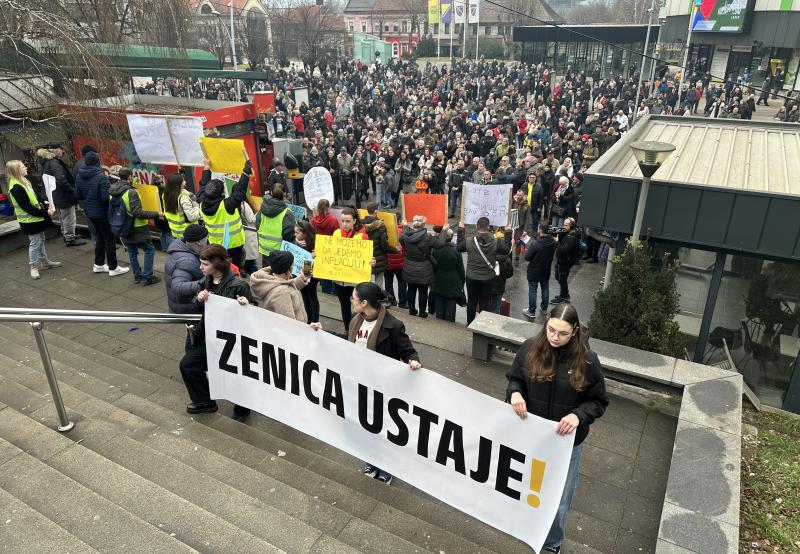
<point>180,209</point>
<point>140,238</point>
<point>221,213</point>
<point>33,215</point>
<point>275,223</point>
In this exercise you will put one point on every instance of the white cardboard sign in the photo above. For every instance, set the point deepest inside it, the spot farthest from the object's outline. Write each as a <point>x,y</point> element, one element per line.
<point>317,184</point>
<point>490,201</point>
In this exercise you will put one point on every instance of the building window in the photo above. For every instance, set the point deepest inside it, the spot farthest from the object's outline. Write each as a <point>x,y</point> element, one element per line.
<point>395,27</point>
<point>405,26</point>
<point>350,26</point>
<point>394,49</point>
<point>447,28</point>
<point>474,29</point>
<point>363,26</point>
<point>435,28</point>
<point>487,30</point>
<point>377,28</point>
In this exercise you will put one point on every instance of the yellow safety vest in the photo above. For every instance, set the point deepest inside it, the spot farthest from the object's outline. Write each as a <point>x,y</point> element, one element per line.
<point>22,215</point>
<point>126,200</point>
<point>270,233</point>
<point>177,222</point>
<point>216,227</point>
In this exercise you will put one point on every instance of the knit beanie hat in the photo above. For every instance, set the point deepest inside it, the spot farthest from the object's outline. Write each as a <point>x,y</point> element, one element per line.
<point>194,233</point>
<point>214,188</point>
<point>280,261</point>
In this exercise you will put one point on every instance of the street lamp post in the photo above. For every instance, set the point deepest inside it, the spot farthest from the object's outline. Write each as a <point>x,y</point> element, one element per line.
<point>233,47</point>
<point>644,59</point>
<point>650,156</point>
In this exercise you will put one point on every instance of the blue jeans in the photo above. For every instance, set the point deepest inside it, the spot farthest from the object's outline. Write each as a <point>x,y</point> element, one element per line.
<point>497,300</point>
<point>133,256</point>
<point>533,286</point>
<point>166,239</point>
<point>556,534</point>
<point>36,250</point>
<point>536,216</point>
<point>455,202</point>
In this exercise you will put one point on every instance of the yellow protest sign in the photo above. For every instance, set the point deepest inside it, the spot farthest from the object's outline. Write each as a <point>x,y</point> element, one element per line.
<point>341,259</point>
<point>225,155</point>
<point>390,220</point>
<point>148,194</point>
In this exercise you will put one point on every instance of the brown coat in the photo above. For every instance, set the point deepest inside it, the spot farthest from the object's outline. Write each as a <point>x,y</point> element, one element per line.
<point>278,295</point>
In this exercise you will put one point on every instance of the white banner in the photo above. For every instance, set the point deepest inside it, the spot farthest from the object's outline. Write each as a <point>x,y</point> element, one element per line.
<point>167,140</point>
<point>317,184</point>
<point>490,201</point>
<point>454,443</point>
<point>474,11</point>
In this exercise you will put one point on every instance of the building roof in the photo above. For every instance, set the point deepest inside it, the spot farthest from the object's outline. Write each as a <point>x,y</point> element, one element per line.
<point>25,92</point>
<point>359,6</point>
<point>754,156</point>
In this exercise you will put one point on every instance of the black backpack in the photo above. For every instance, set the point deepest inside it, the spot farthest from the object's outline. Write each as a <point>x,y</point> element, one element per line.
<point>119,219</point>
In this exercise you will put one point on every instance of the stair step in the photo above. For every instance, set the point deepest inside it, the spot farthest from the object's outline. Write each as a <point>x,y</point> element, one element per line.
<point>26,530</point>
<point>81,512</point>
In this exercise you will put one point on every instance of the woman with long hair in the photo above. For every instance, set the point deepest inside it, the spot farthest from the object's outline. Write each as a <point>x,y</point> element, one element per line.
<point>305,237</point>
<point>351,228</point>
<point>374,328</point>
<point>33,215</point>
<point>180,209</point>
<point>557,377</point>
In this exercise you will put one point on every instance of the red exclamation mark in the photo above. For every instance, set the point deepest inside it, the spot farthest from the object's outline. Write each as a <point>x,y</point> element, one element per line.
<point>537,476</point>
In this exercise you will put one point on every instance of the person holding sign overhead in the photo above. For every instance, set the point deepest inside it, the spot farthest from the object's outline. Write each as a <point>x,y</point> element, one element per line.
<point>557,377</point>
<point>221,214</point>
<point>374,328</point>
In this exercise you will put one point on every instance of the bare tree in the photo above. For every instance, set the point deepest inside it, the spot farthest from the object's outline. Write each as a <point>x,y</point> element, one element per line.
<point>379,16</point>
<point>251,31</point>
<point>213,36</point>
<point>416,11</point>
<point>631,11</point>
<point>312,32</point>
<point>594,12</point>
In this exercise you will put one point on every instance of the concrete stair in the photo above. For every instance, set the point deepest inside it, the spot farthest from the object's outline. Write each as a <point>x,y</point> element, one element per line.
<point>137,473</point>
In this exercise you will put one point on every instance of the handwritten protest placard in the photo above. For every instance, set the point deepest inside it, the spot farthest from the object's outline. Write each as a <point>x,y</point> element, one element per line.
<point>490,201</point>
<point>225,155</point>
<point>298,211</point>
<point>186,133</point>
<point>317,184</point>
<point>432,206</point>
<point>151,138</point>
<point>301,255</point>
<point>341,259</point>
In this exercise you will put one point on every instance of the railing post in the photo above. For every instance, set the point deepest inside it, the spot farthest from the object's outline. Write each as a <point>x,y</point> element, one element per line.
<point>47,364</point>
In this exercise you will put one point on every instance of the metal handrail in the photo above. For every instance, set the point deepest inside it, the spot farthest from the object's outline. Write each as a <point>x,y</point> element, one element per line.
<point>36,317</point>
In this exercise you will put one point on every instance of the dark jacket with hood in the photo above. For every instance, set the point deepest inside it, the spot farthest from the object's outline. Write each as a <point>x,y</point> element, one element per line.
<point>477,268</point>
<point>140,234</point>
<point>92,187</point>
<point>182,277</point>
<point>271,207</point>
<point>555,399</point>
<point>230,286</point>
<point>209,206</point>
<point>449,275</point>
<point>539,256</point>
<point>376,230</point>
<point>391,339</point>
<point>64,195</point>
<point>567,249</point>
<point>418,267</point>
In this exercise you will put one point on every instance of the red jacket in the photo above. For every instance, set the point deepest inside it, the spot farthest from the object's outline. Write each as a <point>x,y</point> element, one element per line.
<point>395,259</point>
<point>324,225</point>
<point>299,124</point>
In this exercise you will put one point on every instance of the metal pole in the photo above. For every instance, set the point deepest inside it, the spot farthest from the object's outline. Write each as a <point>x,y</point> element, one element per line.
<point>686,54</point>
<point>47,365</point>
<point>478,32</point>
<point>644,59</point>
<point>609,267</point>
<point>452,28</point>
<point>235,61</point>
<point>637,223</point>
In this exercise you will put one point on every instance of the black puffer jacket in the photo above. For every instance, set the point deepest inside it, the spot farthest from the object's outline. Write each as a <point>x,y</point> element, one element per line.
<point>539,256</point>
<point>64,195</point>
<point>418,267</point>
<point>377,233</point>
<point>92,187</point>
<point>229,287</point>
<point>554,399</point>
<point>182,277</point>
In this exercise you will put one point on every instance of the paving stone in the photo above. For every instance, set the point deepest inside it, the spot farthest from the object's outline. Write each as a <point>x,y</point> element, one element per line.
<point>625,413</point>
<point>614,437</point>
<point>356,535</point>
<point>599,500</point>
<point>642,515</point>
<point>634,543</point>
<point>664,547</point>
<point>606,466</point>
<point>26,530</point>
<point>328,545</point>
<point>591,531</point>
<point>19,397</point>
<point>650,479</point>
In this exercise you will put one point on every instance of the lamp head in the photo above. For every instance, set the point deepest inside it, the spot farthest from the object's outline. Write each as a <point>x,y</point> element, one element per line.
<point>650,155</point>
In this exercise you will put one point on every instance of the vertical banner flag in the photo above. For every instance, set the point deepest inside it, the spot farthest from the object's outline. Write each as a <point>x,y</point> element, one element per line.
<point>452,442</point>
<point>433,12</point>
<point>446,11</point>
<point>460,10</point>
<point>474,11</point>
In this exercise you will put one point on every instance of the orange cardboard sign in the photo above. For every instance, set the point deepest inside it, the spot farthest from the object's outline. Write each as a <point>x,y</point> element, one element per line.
<point>432,206</point>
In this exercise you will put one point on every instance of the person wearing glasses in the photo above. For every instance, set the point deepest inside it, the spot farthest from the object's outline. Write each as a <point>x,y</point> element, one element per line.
<point>557,377</point>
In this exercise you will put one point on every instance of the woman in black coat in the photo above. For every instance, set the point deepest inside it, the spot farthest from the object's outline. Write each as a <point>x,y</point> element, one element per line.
<point>220,280</point>
<point>374,328</point>
<point>555,376</point>
<point>418,266</point>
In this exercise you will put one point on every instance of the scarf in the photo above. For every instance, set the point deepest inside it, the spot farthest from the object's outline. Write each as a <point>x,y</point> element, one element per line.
<point>355,325</point>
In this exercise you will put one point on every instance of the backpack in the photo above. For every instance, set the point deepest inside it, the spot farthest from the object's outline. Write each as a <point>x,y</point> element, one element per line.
<point>119,219</point>
<point>506,266</point>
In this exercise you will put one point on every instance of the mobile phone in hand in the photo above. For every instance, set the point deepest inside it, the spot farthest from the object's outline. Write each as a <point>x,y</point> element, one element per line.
<point>307,268</point>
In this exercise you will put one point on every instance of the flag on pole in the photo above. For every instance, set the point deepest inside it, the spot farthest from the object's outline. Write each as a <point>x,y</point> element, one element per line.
<point>446,10</point>
<point>460,10</point>
<point>433,12</point>
<point>474,11</point>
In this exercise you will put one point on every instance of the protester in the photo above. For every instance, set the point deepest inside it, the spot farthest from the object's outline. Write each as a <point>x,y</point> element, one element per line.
<point>539,255</point>
<point>277,175</point>
<point>306,238</point>
<point>523,212</point>
<point>482,252</point>
<point>64,200</point>
<point>374,328</point>
<point>92,189</point>
<point>275,223</point>
<point>276,290</point>
<point>182,273</point>
<point>351,228</point>
<point>448,277</point>
<point>215,265</point>
<point>394,270</point>
<point>140,238</point>
<point>418,266</point>
<point>379,235</point>
<point>221,214</point>
<point>555,376</point>
<point>567,253</point>
<point>180,208</point>
<point>33,214</point>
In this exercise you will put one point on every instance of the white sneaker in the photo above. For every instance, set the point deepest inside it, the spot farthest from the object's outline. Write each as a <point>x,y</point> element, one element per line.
<point>35,272</point>
<point>50,264</point>
<point>100,268</point>
<point>119,270</point>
